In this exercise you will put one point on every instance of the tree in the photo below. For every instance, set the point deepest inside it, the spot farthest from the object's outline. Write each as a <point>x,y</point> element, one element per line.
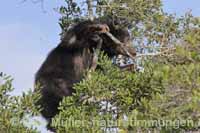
<point>16,110</point>
<point>163,97</point>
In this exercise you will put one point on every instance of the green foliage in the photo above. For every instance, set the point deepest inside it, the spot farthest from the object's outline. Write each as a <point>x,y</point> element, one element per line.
<point>164,97</point>
<point>15,110</point>
<point>162,92</point>
<point>179,102</point>
<point>70,13</point>
<point>109,92</point>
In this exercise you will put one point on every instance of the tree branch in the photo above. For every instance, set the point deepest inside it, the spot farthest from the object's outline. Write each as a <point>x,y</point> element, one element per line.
<point>163,53</point>
<point>120,44</point>
<point>90,11</point>
<point>124,47</point>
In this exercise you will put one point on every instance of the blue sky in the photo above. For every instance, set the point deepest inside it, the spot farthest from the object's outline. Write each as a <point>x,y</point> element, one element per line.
<point>26,36</point>
<point>28,33</point>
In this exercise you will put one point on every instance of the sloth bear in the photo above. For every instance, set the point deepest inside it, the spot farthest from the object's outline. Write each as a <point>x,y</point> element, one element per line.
<point>66,64</point>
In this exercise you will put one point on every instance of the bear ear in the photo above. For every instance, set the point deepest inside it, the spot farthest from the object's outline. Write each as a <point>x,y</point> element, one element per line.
<point>69,38</point>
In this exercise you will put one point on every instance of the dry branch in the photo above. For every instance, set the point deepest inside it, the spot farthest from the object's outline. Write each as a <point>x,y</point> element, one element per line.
<point>120,44</point>
<point>124,47</point>
<point>163,53</point>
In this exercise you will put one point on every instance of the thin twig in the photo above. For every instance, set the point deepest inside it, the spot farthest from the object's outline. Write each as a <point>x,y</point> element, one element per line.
<point>36,2</point>
<point>155,54</point>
